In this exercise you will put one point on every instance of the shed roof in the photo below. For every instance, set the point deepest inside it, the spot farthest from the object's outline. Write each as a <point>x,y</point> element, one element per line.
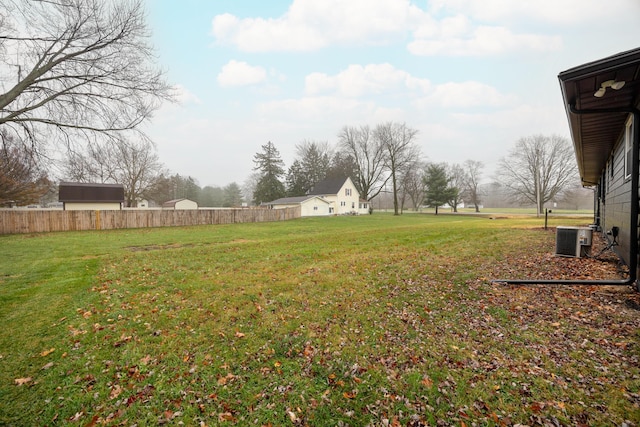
<point>70,192</point>
<point>172,203</point>
<point>596,123</point>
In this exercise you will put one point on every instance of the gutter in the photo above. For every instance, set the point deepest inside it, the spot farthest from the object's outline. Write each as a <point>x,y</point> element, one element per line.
<point>633,225</point>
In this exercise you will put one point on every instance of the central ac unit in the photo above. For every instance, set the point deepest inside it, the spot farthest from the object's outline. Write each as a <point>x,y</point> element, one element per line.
<point>573,241</point>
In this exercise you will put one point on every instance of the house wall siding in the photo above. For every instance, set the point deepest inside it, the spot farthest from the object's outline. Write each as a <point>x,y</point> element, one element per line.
<point>351,201</point>
<point>615,210</point>
<point>315,207</point>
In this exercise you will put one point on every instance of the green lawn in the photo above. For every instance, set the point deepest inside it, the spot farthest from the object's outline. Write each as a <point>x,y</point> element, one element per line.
<point>369,320</point>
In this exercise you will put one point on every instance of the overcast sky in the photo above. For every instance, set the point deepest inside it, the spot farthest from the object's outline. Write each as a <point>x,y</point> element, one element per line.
<point>472,76</point>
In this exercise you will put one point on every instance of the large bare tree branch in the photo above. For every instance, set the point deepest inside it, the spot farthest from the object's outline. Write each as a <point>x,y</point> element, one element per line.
<point>76,66</point>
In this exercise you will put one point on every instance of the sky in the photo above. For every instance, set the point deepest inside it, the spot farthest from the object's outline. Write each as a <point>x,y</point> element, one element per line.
<point>472,76</point>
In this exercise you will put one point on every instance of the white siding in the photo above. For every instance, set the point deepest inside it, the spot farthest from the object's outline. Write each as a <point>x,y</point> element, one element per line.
<point>315,207</point>
<point>348,199</point>
<point>104,206</point>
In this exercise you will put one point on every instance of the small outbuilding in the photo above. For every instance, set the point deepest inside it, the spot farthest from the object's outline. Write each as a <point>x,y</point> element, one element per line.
<point>90,196</point>
<point>309,205</point>
<point>180,204</point>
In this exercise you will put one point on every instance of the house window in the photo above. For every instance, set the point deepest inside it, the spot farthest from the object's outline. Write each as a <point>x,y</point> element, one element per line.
<point>343,203</point>
<point>628,144</point>
<point>315,208</point>
<point>347,191</point>
<point>353,205</point>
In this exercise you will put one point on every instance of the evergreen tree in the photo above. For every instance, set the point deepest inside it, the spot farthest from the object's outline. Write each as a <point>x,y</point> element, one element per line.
<point>297,182</point>
<point>344,165</point>
<point>271,169</point>
<point>232,195</point>
<point>438,192</point>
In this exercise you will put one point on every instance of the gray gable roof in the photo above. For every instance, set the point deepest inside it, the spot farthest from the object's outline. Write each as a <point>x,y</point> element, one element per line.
<point>328,186</point>
<point>290,200</point>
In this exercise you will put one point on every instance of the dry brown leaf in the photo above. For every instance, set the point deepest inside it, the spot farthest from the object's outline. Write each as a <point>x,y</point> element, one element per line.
<point>47,352</point>
<point>22,381</point>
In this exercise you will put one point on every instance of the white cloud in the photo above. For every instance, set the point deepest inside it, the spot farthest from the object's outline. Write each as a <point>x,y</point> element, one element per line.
<point>358,80</point>
<point>565,12</point>
<point>451,27</point>
<point>237,73</point>
<point>483,40</point>
<point>465,95</point>
<point>311,24</point>
<point>184,96</point>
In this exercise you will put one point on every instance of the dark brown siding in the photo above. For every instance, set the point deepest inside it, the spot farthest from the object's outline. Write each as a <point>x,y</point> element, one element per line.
<point>616,209</point>
<point>90,193</point>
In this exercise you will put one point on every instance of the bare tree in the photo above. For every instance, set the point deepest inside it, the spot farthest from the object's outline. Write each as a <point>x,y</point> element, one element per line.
<point>413,184</point>
<point>456,175</point>
<point>139,167</point>
<point>76,70</point>
<point>93,163</point>
<point>471,182</point>
<point>538,169</point>
<point>401,152</point>
<point>135,165</point>
<point>249,185</point>
<point>22,180</point>
<point>369,156</point>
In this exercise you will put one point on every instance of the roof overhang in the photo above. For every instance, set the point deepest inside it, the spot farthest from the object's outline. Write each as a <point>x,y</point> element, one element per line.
<point>597,122</point>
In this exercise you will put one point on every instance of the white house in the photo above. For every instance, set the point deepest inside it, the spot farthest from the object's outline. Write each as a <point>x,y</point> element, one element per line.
<point>342,195</point>
<point>332,196</point>
<point>180,204</point>
<point>309,205</point>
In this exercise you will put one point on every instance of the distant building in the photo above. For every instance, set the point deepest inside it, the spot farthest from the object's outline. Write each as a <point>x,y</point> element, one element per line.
<point>309,205</point>
<point>342,194</point>
<point>90,196</point>
<point>332,196</point>
<point>180,204</point>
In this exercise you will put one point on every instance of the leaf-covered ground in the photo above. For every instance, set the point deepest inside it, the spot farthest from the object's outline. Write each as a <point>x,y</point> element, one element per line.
<point>393,325</point>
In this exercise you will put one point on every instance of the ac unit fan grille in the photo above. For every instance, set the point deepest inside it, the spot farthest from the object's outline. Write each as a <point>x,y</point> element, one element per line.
<point>566,242</point>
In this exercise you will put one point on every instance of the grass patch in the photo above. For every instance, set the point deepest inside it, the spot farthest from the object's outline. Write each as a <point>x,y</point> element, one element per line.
<point>364,320</point>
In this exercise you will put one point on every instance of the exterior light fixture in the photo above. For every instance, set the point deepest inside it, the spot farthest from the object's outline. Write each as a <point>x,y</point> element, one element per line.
<point>615,85</point>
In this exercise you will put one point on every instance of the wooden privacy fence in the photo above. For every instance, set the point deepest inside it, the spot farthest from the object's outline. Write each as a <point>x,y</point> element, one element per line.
<point>41,221</point>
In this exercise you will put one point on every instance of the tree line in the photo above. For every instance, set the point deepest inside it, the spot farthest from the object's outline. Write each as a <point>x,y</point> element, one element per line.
<point>380,159</point>
<point>79,79</point>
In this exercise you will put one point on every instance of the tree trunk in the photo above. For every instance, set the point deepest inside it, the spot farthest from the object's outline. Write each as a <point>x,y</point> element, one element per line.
<point>395,194</point>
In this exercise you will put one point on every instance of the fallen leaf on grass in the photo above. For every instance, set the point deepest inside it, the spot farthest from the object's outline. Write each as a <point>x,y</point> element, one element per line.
<point>239,335</point>
<point>47,352</point>
<point>224,380</point>
<point>47,366</point>
<point>115,392</point>
<point>426,381</point>
<point>22,381</point>
<point>226,416</point>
